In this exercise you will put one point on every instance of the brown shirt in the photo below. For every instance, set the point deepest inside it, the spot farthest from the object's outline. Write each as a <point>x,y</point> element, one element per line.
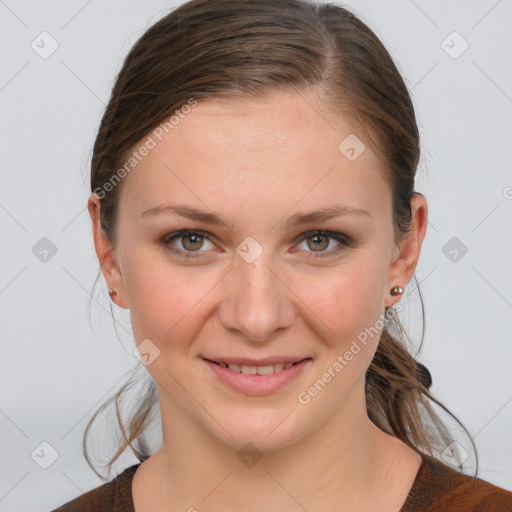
<point>437,488</point>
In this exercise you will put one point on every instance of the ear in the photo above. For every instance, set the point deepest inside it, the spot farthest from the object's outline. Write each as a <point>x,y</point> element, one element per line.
<point>407,253</point>
<point>106,253</point>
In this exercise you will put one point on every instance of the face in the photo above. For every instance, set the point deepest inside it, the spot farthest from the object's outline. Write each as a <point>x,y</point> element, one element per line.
<point>257,289</point>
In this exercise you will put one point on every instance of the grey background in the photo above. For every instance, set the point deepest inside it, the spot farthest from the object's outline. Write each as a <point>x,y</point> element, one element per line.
<point>56,367</point>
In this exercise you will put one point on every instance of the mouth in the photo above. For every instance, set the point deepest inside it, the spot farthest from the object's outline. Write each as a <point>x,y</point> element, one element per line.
<point>261,369</point>
<point>258,378</point>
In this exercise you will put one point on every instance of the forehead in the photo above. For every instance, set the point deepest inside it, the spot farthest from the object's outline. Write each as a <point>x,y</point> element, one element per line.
<point>285,147</point>
<point>273,126</point>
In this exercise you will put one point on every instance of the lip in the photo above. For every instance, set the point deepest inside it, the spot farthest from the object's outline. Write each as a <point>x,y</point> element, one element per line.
<point>258,385</point>
<point>256,362</point>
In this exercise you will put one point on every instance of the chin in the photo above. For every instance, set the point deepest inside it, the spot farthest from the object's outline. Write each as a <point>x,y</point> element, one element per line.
<point>267,429</point>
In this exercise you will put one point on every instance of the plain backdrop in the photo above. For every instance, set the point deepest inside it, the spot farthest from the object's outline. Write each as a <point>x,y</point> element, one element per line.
<point>57,365</point>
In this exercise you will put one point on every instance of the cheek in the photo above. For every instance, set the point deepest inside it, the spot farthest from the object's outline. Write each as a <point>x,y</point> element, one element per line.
<point>345,300</point>
<point>167,305</point>
<point>349,314</point>
<point>157,297</point>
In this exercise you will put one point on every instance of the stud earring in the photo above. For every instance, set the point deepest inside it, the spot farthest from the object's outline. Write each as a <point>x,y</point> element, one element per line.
<point>396,290</point>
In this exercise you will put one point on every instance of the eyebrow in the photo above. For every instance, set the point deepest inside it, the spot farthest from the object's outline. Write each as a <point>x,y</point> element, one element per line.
<point>193,213</point>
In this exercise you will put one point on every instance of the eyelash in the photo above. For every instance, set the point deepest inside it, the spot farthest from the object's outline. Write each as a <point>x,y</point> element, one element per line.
<point>344,241</point>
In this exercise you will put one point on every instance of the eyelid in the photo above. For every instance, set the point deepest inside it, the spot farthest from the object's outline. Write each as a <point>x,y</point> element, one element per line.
<point>298,238</point>
<point>167,239</point>
<point>325,232</point>
<point>345,242</point>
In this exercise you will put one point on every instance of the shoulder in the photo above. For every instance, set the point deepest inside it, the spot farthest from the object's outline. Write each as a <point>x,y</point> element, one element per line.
<point>101,498</point>
<point>441,488</point>
<point>113,496</point>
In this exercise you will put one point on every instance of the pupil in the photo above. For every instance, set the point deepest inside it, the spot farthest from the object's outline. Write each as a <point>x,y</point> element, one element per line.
<point>193,240</point>
<point>317,240</point>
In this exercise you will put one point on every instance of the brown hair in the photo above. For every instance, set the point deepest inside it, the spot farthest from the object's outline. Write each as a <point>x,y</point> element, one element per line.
<point>212,49</point>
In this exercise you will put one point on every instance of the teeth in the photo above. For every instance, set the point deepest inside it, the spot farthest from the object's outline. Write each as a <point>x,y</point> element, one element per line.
<point>265,370</point>
<point>257,370</point>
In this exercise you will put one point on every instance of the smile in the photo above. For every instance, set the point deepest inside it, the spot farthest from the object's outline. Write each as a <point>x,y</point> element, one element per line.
<point>257,370</point>
<point>260,379</point>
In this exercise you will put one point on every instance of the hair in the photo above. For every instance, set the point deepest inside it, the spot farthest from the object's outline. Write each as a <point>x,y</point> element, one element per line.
<point>247,49</point>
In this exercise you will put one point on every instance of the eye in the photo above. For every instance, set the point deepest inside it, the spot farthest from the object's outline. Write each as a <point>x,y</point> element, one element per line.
<point>192,241</point>
<point>319,242</point>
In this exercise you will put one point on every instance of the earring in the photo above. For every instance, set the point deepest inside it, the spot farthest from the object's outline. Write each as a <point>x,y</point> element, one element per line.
<point>396,290</point>
<point>112,293</point>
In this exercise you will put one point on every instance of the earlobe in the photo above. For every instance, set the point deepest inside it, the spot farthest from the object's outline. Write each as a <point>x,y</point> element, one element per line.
<point>106,254</point>
<point>409,248</point>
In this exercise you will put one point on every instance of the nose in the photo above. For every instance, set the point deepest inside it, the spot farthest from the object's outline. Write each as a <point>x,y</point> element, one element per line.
<point>257,301</point>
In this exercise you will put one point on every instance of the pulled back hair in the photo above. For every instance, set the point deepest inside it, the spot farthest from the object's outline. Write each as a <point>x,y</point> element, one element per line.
<point>246,49</point>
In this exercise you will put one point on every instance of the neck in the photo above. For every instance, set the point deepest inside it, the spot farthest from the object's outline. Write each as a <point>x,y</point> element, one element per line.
<point>348,464</point>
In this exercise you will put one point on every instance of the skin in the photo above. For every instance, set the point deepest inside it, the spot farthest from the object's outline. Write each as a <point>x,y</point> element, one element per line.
<point>255,163</point>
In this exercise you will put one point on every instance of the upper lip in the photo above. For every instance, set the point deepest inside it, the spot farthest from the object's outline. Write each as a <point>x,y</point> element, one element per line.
<point>256,362</point>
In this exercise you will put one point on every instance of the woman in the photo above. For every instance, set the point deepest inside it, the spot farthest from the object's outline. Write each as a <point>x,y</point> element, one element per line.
<point>253,206</point>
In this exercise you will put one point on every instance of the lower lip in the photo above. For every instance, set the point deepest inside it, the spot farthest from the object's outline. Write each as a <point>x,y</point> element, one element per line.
<point>258,385</point>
